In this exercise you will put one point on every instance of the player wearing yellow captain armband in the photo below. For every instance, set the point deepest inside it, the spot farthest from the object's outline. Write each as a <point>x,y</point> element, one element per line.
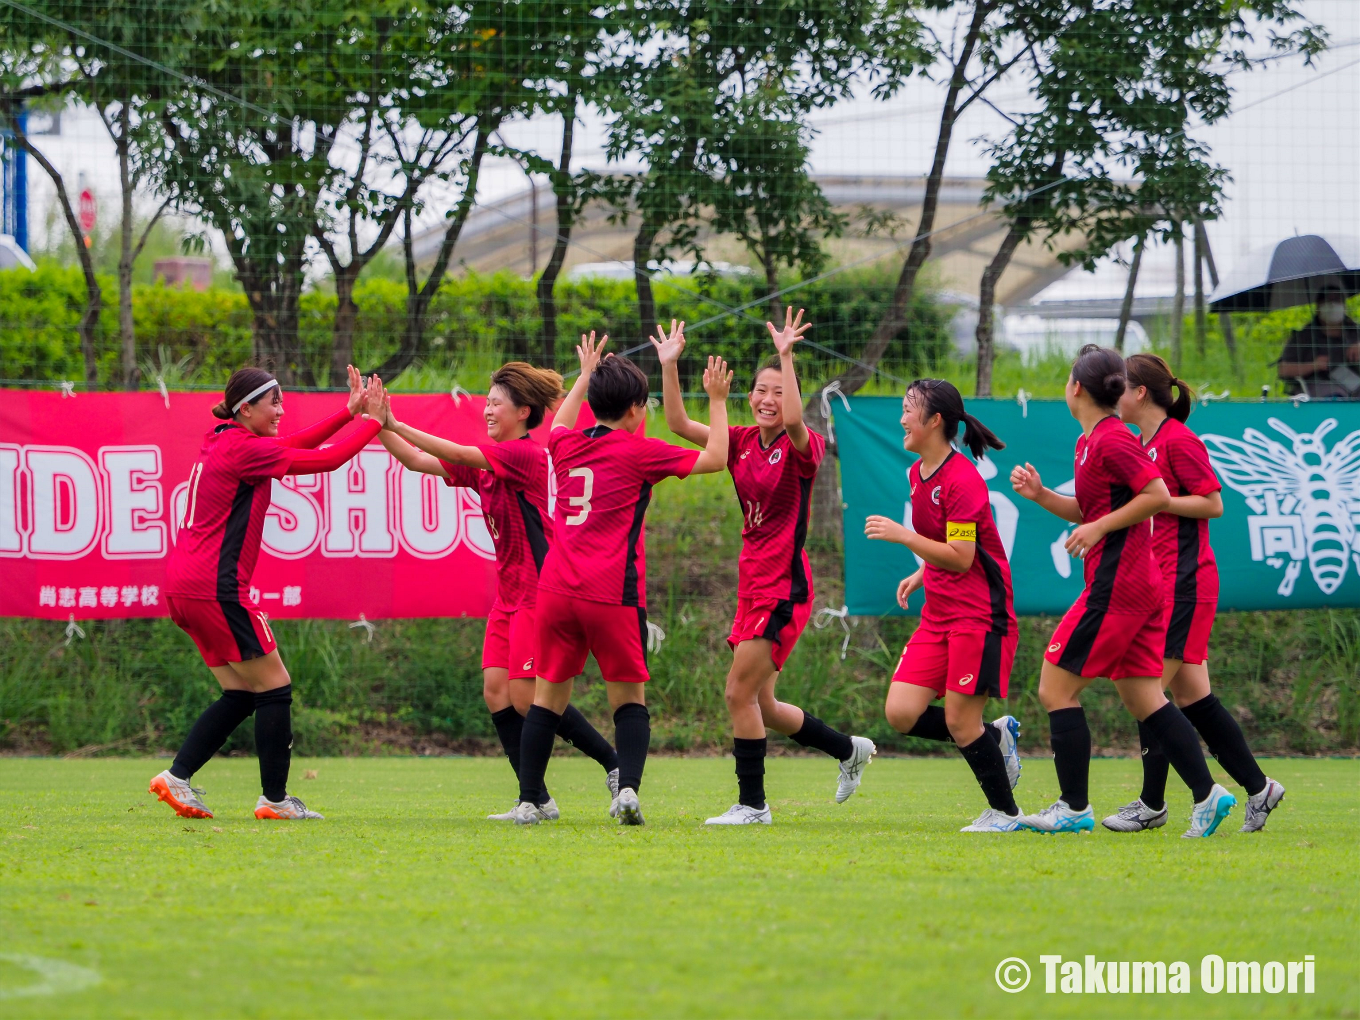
<point>964,647</point>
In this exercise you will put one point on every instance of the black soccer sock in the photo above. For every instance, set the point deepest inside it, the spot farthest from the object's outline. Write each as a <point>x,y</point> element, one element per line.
<point>1180,742</point>
<point>1226,742</point>
<point>218,721</point>
<point>750,755</point>
<point>576,730</point>
<point>1155,768</point>
<point>535,748</point>
<point>274,739</point>
<point>819,735</point>
<point>930,725</point>
<point>983,756</point>
<point>1071,740</point>
<point>633,735</point>
<point>509,725</point>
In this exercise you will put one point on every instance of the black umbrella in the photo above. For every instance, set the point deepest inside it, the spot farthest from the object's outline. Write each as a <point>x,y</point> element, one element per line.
<point>1288,274</point>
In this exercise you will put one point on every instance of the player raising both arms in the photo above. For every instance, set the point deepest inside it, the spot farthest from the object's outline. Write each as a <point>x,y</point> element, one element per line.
<point>511,475</point>
<point>1180,540</point>
<point>1117,627</point>
<point>773,463</point>
<point>592,593</point>
<point>208,577</point>
<point>965,644</point>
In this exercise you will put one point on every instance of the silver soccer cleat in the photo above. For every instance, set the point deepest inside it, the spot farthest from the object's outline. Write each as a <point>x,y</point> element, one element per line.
<point>740,814</point>
<point>626,808</point>
<point>1261,805</point>
<point>852,769</point>
<point>1135,817</point>
<point>1009,726</point>
<point>290,809</point>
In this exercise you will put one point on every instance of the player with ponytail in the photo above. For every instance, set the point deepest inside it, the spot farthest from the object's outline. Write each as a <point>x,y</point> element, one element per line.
<point>511,475</point>
<point>1117,627</point>
<point>1189,572</point>
<point>963,649</point>
<point>208,577</point>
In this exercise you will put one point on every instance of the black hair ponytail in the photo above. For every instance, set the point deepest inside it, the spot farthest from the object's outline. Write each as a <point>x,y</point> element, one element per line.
<point>937,396</point>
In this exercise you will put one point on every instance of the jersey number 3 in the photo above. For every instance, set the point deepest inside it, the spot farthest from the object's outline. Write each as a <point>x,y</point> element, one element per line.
<point>581,503</point>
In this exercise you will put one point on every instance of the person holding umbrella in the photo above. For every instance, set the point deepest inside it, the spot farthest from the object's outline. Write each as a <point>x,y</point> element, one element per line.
<point>1322,359</point>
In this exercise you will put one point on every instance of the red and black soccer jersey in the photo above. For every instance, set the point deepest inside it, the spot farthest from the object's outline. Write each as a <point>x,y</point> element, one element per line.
<point>1112,468</point>
<point>1181,544</point>
<point>774,488</point>
<point>604,483</point>
<point>514,497</point>
<point>953,505</point>
<point>230,487</point>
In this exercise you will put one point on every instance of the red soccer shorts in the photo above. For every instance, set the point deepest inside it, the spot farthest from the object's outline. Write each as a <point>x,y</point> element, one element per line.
<point>781,622</point>
<point>966,662</point>
<point>511,641</point>
<point>1094,642</point>
<point>569,628</point>
<point>1188,625</point>
<point>225,632</point>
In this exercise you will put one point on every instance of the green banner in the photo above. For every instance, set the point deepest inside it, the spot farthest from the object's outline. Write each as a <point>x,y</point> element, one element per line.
<point>1289,537</point>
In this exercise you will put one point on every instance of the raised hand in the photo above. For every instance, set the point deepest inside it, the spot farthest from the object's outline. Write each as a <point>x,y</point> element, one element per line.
<point>884,529</point>
<point>1026,481</point>
<point>717,379</point>
<point>374,396</point>
<point>387,419</point>
<point>356,390</point>
<point>793,331</point>
<point>669,347</point>
<point>589,352</point>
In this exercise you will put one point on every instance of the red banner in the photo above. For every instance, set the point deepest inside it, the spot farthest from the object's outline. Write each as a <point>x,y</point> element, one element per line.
<point>92,488</point>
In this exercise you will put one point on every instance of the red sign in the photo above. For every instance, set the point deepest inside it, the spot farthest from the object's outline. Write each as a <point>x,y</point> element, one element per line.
<point>92,489</point>
<point>89,210</point>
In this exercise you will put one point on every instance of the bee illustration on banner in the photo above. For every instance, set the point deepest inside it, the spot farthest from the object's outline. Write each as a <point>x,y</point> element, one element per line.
<point>1304,499</point>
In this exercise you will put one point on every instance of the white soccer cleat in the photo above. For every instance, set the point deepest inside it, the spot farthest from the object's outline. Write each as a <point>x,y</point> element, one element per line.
<point>504,816</point>
<point>290,809</point>
<point>1010,735</point>
<point>528,813</point>
<point>626,807</point>
<point>740,814</point>
<point>186,800</point>
<point>1135,817</point>
<point>1058,817</point>
<point>993,820</point>
<point>611,780</point>
<point>1208,813</point>
<point>1260,805</point>
<point>852,769</point>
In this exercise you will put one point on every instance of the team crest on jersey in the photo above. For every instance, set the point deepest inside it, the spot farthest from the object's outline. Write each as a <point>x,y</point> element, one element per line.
<point>935,495</point>
<point>1084,453</point>
<point>776,457</point>
<point>1152,454</point>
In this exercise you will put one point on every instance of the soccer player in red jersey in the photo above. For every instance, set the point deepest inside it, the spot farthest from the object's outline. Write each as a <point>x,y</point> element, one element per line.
<point>963,649</point>
<point>511,475</point>
<point>1180,539</point>
<point>1117,627</point>
<point>208,577</point>
<point>592,592</point>
<point>773,463</point>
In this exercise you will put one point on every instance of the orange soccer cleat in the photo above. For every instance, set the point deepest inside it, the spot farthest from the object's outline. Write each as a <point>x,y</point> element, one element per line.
<point>183,798</point>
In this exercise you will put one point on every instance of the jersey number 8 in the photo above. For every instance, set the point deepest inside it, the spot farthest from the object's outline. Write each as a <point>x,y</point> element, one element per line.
<point>581,503</point>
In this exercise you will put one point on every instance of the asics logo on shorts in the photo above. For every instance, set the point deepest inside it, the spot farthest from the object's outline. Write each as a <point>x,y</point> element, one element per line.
<point>528,665</point>
<point>1055,646</point>
<point>964,681</point>
<point>761,625</point>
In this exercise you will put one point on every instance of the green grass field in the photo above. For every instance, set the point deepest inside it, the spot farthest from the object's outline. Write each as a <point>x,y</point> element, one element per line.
<point>407,903</point>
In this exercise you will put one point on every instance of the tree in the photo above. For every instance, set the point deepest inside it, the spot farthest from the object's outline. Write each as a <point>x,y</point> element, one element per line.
<point>766,196</point>
<point>33,69</point>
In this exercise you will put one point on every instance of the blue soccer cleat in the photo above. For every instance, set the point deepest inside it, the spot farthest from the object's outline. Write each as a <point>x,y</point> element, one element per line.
<point>1058,817</point>
<point>1208,813</point>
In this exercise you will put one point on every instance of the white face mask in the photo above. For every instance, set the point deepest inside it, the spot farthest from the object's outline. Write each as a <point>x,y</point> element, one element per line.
<point>1332,313</point>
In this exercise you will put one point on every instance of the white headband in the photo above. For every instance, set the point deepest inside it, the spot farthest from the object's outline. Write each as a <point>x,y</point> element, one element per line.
<point>253,394</point>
